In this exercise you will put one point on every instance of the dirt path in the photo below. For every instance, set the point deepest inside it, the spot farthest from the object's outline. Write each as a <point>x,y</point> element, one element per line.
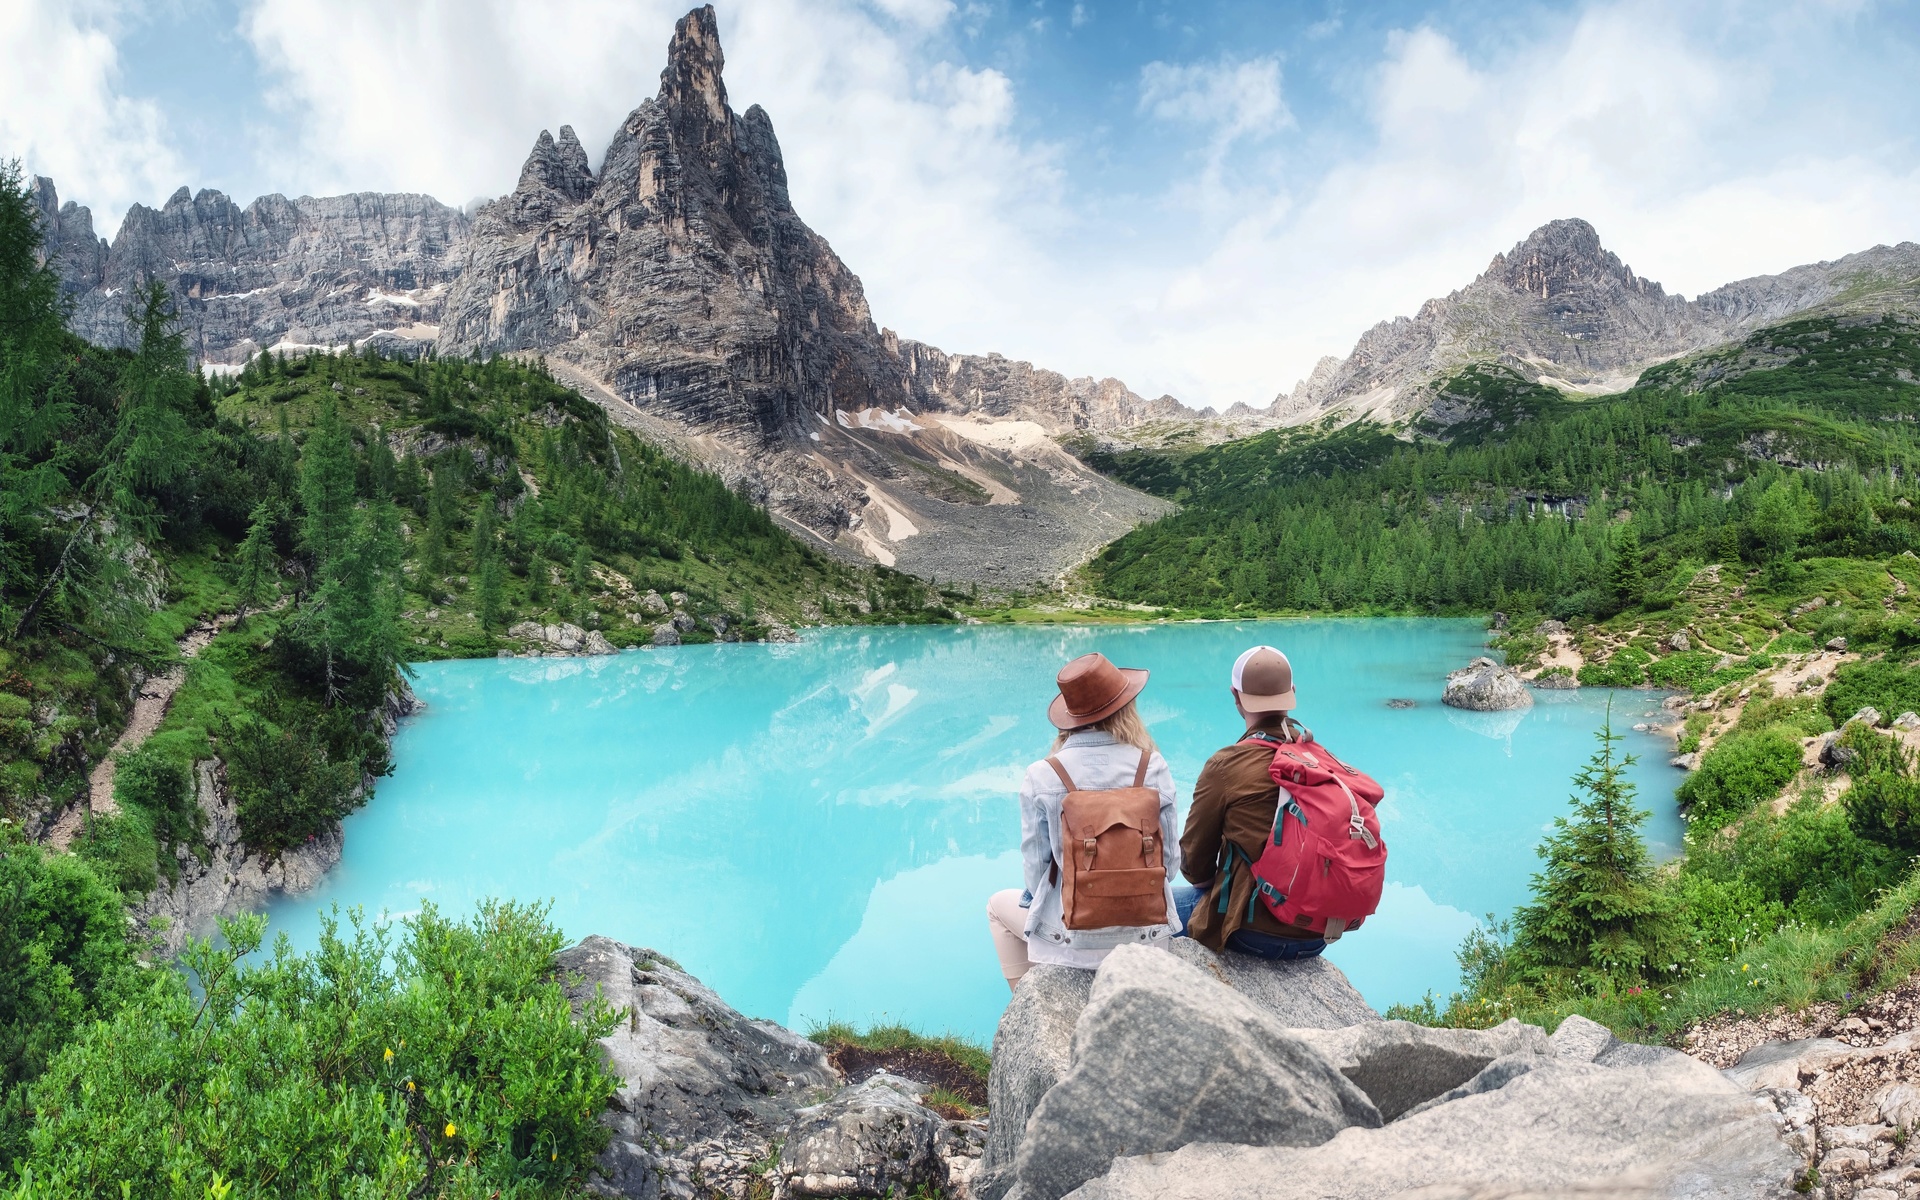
<point>149,709</point>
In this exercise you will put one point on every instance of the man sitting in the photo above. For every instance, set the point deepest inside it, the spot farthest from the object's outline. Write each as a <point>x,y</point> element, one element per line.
<point>1232,813</point>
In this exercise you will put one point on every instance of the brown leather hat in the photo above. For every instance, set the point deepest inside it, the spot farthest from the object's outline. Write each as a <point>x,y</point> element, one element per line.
<point>1092,689</point>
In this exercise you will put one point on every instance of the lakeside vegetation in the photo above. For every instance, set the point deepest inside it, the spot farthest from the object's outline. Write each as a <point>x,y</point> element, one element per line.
<point>323,519</point>
<point>1708,532</point>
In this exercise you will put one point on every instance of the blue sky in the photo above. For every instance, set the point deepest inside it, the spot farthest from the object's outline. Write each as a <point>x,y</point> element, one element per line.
<point>1200,198</point>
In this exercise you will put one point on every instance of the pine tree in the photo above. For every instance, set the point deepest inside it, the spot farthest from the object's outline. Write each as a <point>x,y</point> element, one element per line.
<point>492,592</point>
<point>1627,577</point>
<point>1594,906</point>
<point>256,558</point>
<point>326,488</point>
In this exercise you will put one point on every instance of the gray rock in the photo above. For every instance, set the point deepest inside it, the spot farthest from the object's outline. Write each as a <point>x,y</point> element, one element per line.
<point>666,635</point>
<point>597,643</point>
<point>1907,722</point>
<point>1030,1049</point>
<point>1557,680</point>
<point>1399,1064</point>
<point>1550,628</point>
<point>1783,1064</point>
<point>1672,1130</point>
<point>1495,1075</point>
<point>776,632</point>
<point>872,1139</point>
<point>1486,686</point>
<point>1166,1055</point>
<point>1579,1039</point>
<point>1837,643</point>
<point>682,623</point>
<point>653,605</point>
<point>700,1082</point>
<point>679,599</point>
<point>1030,1054</point>
<point>1308,993</point>
<point>1868,716</point>
<point>1678,642</point>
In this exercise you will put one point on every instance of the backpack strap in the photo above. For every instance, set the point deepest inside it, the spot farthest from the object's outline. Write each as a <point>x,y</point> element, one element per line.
<point>1061,771</point>
<point>1140,775</point>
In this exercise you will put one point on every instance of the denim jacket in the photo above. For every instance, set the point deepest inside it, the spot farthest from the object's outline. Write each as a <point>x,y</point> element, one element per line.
<point>1095,760</point>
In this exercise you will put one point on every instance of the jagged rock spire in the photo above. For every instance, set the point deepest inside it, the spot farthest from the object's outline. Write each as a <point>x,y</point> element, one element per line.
<point>1563,256</point>
<point>560,166</point>
<point>691,87</point>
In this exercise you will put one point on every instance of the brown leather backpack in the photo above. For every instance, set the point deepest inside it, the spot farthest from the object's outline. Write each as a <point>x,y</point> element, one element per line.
<point>1111,857</point>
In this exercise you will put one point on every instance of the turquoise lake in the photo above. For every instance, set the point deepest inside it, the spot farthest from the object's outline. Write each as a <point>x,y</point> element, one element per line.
<point>813,829</point>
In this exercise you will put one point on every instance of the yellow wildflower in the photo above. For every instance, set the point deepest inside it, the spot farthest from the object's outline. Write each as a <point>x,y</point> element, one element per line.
<point>409,1085</point>
<point>389,1053</point>
<point>451,1129</point>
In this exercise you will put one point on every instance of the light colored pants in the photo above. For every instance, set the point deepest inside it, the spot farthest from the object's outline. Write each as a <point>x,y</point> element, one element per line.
<point>1007,921</point>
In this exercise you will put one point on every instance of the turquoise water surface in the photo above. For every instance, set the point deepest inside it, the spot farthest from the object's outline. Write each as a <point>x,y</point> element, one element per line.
<point>813,829</point>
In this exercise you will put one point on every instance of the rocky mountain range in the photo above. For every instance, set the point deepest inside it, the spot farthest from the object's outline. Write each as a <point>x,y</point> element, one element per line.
<point>678,286</point>
<point>1563,310</point>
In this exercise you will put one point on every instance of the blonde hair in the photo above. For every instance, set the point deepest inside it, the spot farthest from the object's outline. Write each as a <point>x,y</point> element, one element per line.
<point>1125,725</point>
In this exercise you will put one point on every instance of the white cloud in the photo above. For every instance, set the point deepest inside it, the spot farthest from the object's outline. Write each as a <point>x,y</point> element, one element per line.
<point>1667,138</point>
<point>63,115</point>
<point>1234,99</point>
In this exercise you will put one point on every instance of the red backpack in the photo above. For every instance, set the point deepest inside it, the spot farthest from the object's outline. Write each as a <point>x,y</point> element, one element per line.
<point>1324,869</point>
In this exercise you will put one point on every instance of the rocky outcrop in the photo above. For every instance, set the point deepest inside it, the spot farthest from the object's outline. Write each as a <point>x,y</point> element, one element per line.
<point>1033,1046</point>
<point>562,640</point>
<point>1163,1056</point>
<point>1169,1074</point>
<point>1562,309</point>
<point>289,273</point>
<point>1485,686</point>
<point>713,1103</point>
<point>232,879</point>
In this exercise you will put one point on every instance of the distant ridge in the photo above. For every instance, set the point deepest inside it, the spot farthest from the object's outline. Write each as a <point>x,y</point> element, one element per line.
<point>1563,310</point>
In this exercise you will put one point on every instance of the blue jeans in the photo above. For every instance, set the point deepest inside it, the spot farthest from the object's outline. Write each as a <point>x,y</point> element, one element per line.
<point>1270,946</point>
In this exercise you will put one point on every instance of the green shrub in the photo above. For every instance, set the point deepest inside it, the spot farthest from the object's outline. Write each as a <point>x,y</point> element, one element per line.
<point>1810,860</point>
<point>1684,671</point>
<point>122,850</point>
<point>1626,668</point>
<point>1725,913</point>
<point>1791,642</point>
<point>285,787</point>
<point>64,959</point>
<point>1801,714</point>
<point>1889,687</point>
<point>161,786</point>
<point>449,1066</point>
<point>1739,771</point>
<point>1884,802</point>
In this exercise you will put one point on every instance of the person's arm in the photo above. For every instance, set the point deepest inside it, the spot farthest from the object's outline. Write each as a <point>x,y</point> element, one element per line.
<point>1160,777</point>
<point>1206,824</point>
<point>1036,839</point>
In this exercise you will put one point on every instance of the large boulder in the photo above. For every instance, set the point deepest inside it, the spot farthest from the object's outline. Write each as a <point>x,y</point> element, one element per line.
<point>872,1139</point>
<point>1030,1054</point>
<point>703,1089</point>
<point>1399,1064</point>
<point>1166,1055</point>
<point>1306,993</point>
<point>1485,686</point>
<point>1563,1128</point>
<point>1031,1046</point>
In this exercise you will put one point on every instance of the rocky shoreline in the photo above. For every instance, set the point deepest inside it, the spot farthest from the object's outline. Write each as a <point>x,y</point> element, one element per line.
<point>1181,1073</point>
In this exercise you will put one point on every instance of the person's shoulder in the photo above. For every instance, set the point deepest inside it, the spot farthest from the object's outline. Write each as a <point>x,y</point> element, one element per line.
<point>1241,752</point>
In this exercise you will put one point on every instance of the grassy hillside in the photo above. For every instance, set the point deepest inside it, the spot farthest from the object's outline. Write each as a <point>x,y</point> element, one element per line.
<point>521,501</point>
<point>1797,443</point>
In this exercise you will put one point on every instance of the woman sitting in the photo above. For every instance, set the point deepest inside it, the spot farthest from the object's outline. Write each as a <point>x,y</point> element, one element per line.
<point>1105,792</point>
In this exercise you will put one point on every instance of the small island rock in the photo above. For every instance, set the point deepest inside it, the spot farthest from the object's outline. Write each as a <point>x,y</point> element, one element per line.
<point>1486,686</point>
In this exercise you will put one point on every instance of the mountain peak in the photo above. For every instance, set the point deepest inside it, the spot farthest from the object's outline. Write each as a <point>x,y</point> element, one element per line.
<point>691,84</point>
<point>561,166</point>
<point>1564,256</point>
